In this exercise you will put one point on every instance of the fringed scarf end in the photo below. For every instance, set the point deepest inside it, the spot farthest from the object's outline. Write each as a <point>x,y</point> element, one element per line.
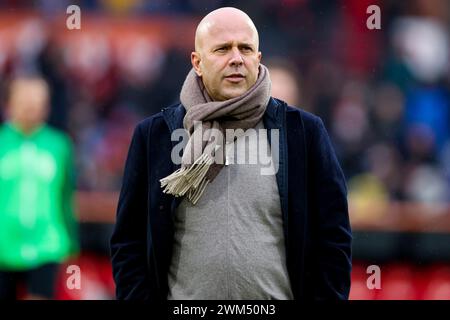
<point>191,180</point>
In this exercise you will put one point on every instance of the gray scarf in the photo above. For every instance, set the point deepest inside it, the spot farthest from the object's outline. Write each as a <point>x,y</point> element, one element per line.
<point>197,164</point>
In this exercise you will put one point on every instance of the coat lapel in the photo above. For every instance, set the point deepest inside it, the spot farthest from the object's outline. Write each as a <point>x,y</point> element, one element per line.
<point>275,119</point>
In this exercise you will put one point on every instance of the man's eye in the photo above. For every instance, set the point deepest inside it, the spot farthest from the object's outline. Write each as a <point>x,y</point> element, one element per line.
<point>221,49</point>
<point>247,49</point>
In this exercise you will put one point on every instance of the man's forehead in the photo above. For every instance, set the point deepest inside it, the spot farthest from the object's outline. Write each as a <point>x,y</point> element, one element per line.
<point>227,31</point>
<point>227,24</point>
<point>231,33</point>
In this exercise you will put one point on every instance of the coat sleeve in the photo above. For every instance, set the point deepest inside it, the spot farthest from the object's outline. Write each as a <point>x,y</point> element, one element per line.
<point>128,241</point>
<point>332,238</point>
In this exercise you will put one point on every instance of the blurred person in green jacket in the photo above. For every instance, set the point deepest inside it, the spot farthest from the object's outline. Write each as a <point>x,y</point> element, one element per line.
<point>37,226</point>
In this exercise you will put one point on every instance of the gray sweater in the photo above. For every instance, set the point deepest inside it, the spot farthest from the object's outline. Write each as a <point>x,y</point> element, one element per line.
<point>231,245</point>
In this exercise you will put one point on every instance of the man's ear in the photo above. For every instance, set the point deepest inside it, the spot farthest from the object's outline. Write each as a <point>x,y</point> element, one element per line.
<point>259,56</point>
<point>195,60</point>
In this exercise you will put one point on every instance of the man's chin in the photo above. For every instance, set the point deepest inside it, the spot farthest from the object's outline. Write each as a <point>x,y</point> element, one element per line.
<point>234,93</point>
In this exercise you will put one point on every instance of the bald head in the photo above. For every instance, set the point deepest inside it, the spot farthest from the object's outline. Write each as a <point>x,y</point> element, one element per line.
<point>28,103</point>
<point>226,55</point>
<point>220,19</point>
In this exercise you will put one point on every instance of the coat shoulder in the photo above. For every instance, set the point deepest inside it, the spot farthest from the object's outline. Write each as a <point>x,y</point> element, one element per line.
<point>145,124</point>
<point>311,122</point>
<point>156,119</point>
<point>307,117</point>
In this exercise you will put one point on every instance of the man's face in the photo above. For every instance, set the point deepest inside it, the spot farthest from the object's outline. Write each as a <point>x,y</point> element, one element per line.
<point>227,59</point>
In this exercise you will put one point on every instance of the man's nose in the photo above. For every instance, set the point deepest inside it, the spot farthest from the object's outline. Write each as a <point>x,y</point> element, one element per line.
<point>236,58</point>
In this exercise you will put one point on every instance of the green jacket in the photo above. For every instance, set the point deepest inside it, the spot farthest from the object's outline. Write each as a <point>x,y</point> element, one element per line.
<point>37,224</point>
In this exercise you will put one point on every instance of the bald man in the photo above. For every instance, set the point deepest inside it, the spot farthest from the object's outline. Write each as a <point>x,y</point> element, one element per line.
<point>194,221</point>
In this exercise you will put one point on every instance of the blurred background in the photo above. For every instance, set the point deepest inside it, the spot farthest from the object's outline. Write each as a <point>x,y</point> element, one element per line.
<point>383,95</point>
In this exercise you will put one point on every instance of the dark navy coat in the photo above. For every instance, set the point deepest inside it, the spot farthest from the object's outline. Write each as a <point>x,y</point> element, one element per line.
<point>313,197</point>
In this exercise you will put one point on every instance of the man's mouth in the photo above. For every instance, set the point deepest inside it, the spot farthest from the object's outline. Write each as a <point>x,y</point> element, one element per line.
<point>235,77</point>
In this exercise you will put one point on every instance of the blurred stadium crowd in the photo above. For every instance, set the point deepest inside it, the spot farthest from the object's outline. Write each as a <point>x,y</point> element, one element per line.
<point>384,95</point>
